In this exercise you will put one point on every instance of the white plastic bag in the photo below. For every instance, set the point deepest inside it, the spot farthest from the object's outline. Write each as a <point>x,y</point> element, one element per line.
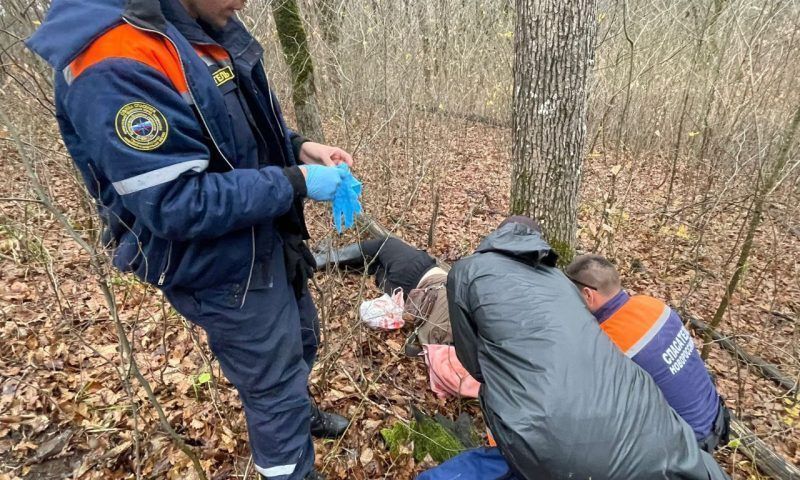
<point>384,312</point>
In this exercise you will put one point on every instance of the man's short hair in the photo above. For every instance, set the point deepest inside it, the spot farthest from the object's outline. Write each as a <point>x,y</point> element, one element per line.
<point>596,272</point>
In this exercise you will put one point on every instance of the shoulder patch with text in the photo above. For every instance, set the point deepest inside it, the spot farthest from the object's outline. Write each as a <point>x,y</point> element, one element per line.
<point>223,75</point>
<point>141,126</point>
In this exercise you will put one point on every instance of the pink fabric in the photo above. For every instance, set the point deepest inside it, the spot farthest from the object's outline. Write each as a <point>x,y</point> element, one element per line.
<point>447,375</point>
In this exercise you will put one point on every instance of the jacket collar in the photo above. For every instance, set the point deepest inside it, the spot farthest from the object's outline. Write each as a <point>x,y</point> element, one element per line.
<point>234,37</point>
<point>145,13</point>
<point>176,14</point>
<point>612,306</point>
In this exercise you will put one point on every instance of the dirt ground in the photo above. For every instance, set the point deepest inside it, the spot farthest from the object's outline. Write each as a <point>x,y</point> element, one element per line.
<point>69,409</point>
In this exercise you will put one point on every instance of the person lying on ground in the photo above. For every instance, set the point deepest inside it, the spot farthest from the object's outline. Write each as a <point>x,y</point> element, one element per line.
<point>559,397</point>
<point>396,264</point>
<point>652,335</point>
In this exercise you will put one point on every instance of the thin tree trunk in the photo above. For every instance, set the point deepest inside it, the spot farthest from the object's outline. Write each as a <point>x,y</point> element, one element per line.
<point>771,181</point>
<point>292,37</point>
<point>427,52</point>
<point>713,11</point>
<point>553,57</point>
<point>434,218</point>
<point>330,19</point>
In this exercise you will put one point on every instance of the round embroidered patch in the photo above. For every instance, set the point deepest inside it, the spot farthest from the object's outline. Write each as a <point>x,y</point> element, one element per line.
<point>141,126</point>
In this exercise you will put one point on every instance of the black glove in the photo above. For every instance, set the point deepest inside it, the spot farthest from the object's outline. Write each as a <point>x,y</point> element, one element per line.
<point>300,263</point>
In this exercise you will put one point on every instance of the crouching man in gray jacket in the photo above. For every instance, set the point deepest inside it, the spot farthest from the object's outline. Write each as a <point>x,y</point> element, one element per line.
<point>560,399</point>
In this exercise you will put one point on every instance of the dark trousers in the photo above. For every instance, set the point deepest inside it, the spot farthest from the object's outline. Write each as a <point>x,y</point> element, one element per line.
<point>266,347</point>
<point>396,264</point>
<point>720,433</point>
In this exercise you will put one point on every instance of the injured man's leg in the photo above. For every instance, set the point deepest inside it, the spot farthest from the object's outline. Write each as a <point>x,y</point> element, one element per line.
<point>394,263</point>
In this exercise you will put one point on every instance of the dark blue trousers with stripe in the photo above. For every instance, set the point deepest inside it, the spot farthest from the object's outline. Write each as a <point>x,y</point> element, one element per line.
<point>477,464</point>
<point>266,343</point>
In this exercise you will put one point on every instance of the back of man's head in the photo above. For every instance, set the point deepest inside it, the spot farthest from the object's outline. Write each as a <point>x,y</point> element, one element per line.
<point>595,273</point>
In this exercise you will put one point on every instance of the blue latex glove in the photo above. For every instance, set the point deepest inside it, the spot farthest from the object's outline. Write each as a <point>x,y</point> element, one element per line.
<point>345,200</point>
<point>322,181</point>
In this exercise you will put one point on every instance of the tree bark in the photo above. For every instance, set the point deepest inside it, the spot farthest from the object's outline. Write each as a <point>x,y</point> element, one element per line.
<point>553,57</point>
<point>292,37</point>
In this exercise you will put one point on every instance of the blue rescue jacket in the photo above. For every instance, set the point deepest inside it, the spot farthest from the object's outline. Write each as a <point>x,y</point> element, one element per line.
<point>187,197</point>
<point>652,335</point>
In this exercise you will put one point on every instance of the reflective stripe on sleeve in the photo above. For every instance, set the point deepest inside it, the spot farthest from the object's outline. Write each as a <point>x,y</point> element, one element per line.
<point>158,176</point>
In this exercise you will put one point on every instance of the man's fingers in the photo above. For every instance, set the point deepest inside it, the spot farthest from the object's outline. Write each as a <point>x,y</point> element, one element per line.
<point>325,158</point>
<point>348,159</point>
<point>343,156</point>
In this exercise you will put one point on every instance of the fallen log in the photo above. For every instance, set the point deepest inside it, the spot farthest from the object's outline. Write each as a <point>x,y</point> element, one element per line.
<point>374,228</point>
<point>766,369</point>
<point>743,439</point>
<point>759,453</point>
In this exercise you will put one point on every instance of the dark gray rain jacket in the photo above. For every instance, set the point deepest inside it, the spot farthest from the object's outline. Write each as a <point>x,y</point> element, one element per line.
<point>559,397</point>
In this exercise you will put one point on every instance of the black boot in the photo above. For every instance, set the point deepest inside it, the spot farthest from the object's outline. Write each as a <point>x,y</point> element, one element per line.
<point>327,425</point>
<point>349,256</point>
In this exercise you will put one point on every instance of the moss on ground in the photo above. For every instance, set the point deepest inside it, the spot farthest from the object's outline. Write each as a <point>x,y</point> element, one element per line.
<point>428,438</point>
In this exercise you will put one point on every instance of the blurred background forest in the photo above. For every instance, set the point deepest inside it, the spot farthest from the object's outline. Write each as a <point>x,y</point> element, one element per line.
<point>689,183</point>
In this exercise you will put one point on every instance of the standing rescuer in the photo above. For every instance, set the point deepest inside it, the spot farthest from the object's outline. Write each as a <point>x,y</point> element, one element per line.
<point>166,110</point>
<point>652,335</point>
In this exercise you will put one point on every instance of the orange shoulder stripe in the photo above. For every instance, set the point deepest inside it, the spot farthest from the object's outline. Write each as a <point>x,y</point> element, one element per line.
<point>633,321</point>
<point>125,41</point>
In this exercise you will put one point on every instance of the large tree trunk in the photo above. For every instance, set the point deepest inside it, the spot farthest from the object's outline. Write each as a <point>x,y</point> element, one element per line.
<point>553,58</point>
<point>292,37</point>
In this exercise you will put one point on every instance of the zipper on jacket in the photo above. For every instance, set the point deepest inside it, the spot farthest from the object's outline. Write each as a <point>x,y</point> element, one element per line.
<point>271,104</point>
<point>164,270</point>
<point>216,145</point>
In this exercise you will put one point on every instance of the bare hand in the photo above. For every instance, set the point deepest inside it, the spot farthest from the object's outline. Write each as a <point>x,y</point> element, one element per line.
<point>312,153</point>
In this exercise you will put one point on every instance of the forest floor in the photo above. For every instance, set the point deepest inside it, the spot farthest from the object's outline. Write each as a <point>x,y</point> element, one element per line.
<point>66,399</point>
